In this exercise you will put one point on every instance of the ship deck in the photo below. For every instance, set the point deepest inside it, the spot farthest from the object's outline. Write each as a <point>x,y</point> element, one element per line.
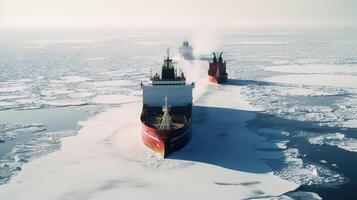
<point>178,121</point>
<point>180,116</point>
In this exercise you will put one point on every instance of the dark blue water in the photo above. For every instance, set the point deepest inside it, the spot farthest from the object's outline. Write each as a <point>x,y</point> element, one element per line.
<point>346,162</point>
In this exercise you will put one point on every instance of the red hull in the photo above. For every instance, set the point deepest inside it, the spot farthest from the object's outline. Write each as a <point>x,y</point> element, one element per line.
<point>165,142</point>
<point>217,80</point>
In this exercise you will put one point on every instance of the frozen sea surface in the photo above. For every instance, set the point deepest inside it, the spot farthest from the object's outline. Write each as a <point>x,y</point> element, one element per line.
<point>291,98</point>
<point>29,134</point>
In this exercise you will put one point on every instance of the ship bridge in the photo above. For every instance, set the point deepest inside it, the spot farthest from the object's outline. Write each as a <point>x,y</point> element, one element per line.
<point>170,85</point>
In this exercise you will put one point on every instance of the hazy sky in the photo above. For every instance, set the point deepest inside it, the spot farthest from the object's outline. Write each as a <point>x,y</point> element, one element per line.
<point>177,12</point>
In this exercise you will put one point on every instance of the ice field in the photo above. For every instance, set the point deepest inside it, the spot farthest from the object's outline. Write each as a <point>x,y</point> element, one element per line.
<point>70,105</point>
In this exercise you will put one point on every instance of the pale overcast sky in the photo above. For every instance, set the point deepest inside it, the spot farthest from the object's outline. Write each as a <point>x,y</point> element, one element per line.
<point>177,12</point>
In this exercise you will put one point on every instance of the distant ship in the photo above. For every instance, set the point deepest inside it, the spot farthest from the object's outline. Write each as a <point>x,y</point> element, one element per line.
<point>167,108</point>
<point>217,70</point>
<point>186,51</point>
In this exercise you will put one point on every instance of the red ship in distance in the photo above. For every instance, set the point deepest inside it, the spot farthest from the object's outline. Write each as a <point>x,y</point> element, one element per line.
<point>217,70</point>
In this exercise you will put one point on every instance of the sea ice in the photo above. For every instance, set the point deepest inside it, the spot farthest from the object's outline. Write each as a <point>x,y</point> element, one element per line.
<point>7,105</point>
<point>64,102</point>
<point>11,130</point>
<point>323,105</point>
<point>54,92</point>
<point>43,144</point>
<point>350,123</point>
<point>336,139</point>
<point>60,41</point>
<point>345,81</point>
<point>10,97</point>
<point>71,79</point>
<point>293,168</point>
<point>12,89</point>
<point>314,69</point>
<point>114,99</point>
<point>112,83</point>
<point>107,158</point>
<point>300,195</point>
<point>80,95</point>
<point>222,164</point>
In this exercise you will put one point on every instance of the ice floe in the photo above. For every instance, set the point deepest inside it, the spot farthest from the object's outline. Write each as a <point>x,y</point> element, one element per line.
<point>350,123</point>
<point>54,92</point>
<point>114,99</point>
<point>12,89</point>
<point>7,105</point>
<point>293,168</point>
<point>11,97</point>
<point>336,139</point>
<point>347,81</point>
<point>64,102</point>
<point>71,79</point>
<point>314,69</point>
<point>300,195</point>
<point>323,105</point>
<point>300,91</point>
<point>112,83</point>
<point>43,144</point>
<point>79,95</point>
<point>10,131</point>
<point>98,58</point>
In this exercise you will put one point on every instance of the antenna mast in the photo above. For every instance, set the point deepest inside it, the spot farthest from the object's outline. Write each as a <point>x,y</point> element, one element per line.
<point>168,52</point>
<point>165,121</point>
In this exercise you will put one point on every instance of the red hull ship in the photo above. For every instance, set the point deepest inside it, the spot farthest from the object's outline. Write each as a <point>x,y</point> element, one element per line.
<point>217,70</point>
<point>167,108</point>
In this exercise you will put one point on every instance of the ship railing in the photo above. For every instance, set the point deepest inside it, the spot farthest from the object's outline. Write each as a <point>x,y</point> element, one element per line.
<point>179,78</point>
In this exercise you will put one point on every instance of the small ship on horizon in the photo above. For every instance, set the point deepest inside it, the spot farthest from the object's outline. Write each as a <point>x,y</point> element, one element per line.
<point>186,51</point>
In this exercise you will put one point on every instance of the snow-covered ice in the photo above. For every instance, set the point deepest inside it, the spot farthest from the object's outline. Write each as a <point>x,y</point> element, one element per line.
<point>71,79</point>
<point>336,139</point>
<point>112,83</point>
<point>350,123</point>
<point>64,102</point>
<point>310,83</point>
<point>315,69</point>
<point>60,41</point>
<point>45,143</point>
<point>299,195</point>
<point>347,81</point>
<point>217,165</point>
<point>12,89</point>
<point>9,131</point>
<point>293,168</point>
<point>114,99</point>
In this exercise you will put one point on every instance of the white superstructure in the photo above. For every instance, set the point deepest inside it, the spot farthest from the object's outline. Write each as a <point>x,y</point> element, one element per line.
<point>178,93</point>
<point>170,86</point>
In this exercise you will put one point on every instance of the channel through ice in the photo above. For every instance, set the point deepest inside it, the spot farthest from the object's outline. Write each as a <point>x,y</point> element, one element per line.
<point>230,155</point>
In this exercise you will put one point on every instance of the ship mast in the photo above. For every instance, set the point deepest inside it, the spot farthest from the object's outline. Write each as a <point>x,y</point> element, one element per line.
<point>165,121</point>
<point>217,72</point>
